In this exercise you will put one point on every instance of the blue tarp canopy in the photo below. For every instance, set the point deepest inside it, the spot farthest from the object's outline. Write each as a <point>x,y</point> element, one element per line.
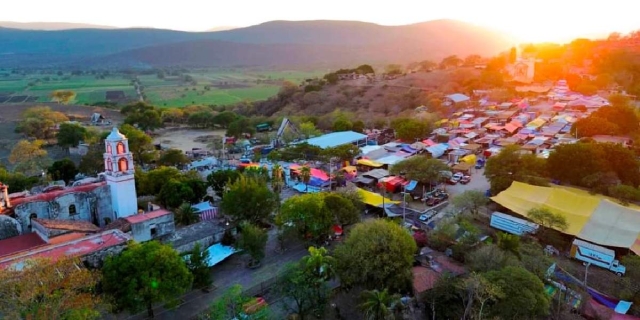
<point>217,253</point>
<point>412,185</point>
<point>438,150</point>
<point>300,187</point>
<point>408,149</point>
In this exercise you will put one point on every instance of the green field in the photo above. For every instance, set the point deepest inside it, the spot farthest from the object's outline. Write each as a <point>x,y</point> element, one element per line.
<point>219,87</point>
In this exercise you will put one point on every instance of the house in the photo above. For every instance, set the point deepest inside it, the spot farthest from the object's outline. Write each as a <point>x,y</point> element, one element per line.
<point>455,99</point>
<point>151,225</point>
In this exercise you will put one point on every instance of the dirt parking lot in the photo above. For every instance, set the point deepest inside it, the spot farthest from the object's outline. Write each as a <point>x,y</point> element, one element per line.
<point>187,139</point>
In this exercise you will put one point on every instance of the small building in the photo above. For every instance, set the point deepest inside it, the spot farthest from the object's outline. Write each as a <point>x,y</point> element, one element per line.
<point>48,229</point>
<point>151,225</point>
<point>336,139</point>
<point>455,99</point>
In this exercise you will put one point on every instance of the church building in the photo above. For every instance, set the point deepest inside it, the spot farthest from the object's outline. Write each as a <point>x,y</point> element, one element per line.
<point>99,203</point>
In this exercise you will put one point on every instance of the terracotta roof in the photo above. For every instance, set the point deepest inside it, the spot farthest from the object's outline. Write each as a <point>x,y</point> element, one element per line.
<point>48,196</point>
<point>74,248</point>
<point>137,218</point>
<point>424,279</point>
<point>20,243</point>
<point>120,224</point>
<point>71,225</point>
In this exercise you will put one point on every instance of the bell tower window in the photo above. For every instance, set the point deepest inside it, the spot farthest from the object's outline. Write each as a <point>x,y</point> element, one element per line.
<point>109,148</point>
<point>72,210</point>
<point>123,164</point>
<point>120,148</point>
<point>109,165</point>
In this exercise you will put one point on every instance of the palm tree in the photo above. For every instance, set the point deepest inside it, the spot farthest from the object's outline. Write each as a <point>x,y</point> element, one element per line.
<point>319,264</point>
<point>276,178</point>
<point>305,175</point>
<point>186,215</point>
<point>378,305</point>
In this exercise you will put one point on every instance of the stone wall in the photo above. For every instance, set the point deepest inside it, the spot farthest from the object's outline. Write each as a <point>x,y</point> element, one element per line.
<point>96,259</point>
<point>164,226</point>
<point>206,233</point>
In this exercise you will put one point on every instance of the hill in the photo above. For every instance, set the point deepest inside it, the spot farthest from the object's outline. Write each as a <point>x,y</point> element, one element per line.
<point>51,26</point>
<point>255,45</point>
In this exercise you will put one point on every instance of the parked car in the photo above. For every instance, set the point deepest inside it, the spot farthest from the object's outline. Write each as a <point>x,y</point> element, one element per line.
<point>456,178</point>
<point>433,201</point>
<point>427,215</point>
<point>465,179</point>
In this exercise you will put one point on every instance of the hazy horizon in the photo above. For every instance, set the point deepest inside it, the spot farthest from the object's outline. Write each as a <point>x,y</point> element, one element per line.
<point>543,20</point>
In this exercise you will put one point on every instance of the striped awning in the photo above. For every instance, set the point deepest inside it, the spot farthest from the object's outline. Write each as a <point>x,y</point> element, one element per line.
<point>208,214</point>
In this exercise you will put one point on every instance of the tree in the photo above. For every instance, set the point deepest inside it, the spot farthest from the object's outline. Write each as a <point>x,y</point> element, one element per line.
<point>140,144</point>
<point>253,241</point>
<point>509,243</point>
<point>218,180</point>
<point>71,134</point>
<point>427,65</point>
<point>392,247</point>
<point>534,259</point>
<point>342,124</point>
<point>305,283</point>
<point>45,289</point>
<point>410,130</point>
<point>305,176</point>
<point>173,158</point>
<point>345,152</point>
<point>197,265</point>
<point>239,127</point>
<point>393,69</point>
<point>478,290</point>
<point>489,257</point>
<point>470,200</point>
<point>40,122</point>
<point>173,115</point>
<point>93,162</point>
<point>173,193</point>
<point>225,118</point>
<point>151,182</point>
<point>450,62</point>
<point>29,157</point>
<point>421,169</point>
<point>472,60</point>
<point>142,115</point>
<point>308,215</point>
<point>343,209</point>
<point>547,219</point>
<point>277,179</point>
<point>511,165</point>
<point>378,305</point>
<point>63,169</point>
<point>231,306</point>
<point>249,200</point>
<point>308,129</point>
<point>523,294</point>
<point>186,215</point>
<point>63,96</point>
<point>153,273</point>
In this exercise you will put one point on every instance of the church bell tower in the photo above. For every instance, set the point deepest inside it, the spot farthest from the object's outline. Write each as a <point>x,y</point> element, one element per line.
<point>119,173</point>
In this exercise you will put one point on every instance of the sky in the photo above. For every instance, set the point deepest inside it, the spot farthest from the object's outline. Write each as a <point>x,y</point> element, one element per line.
<point>528,21</point>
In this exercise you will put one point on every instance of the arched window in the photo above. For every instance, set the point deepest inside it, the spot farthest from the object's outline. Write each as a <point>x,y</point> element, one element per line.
<point>72,210</point>
<point>123,164</point>
<point>120,148</point>
<point>108,148</point>
<point>107,221</point>
<point>109,165</point>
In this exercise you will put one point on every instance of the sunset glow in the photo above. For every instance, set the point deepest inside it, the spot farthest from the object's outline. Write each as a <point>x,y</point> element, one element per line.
<point>543,20</point>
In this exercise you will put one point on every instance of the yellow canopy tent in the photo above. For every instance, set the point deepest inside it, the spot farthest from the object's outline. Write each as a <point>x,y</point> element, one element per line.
<point>470,159</point>
<point>374,199</point>
<point>370,163</point>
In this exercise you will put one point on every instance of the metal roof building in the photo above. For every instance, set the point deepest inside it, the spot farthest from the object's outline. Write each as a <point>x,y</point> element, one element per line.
<point>336,139</point>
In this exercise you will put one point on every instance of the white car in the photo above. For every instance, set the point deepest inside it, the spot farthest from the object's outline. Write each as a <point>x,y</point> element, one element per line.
<point>428,215</point>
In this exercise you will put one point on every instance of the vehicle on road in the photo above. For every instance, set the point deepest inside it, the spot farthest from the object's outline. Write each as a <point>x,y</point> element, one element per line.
<point>512,224</point>
<point>479,164</point>
<point>602,257</point>
<point>427,215</point>
<point>465,179</point>
<point>456,178</point>
<point>433,201</point>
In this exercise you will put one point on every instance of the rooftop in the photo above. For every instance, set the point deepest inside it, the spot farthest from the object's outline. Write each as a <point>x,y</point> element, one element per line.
<point>115,135</point>
<point>74,248</point>
<point>335,139</point>
<point>458,97</point>
<point>48,196</point>
<point>71,225</point>
<point>20,243</point>
<point>137,218</point>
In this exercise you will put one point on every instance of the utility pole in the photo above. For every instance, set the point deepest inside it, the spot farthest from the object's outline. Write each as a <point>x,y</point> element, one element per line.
<point>586,273</point>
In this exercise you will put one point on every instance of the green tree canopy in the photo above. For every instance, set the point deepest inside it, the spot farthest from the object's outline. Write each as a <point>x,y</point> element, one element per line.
<point>471,201</point>
<point>253,241</point>
<point>524,294</point>
<point>511,165</point>
<point>346,152</point>
<point>410,130</point>
<point>307,214</point>
<point>218,180</point>
<point>547,219</point>
<point>71,134</point>
<point>378,305</point>
<point>153,273</point>
<point>40,122</point>
<point>63,169</point>
<point>142,115</point>
<point>29,157</point>
<point>92,163</point>
<point>186,215</point>
<point>231,306</point>
<point>197,265</point>
<point>174,192</point>
<point>173,158</point>
<point>421,169</point>
<point>376,254</point>
<point>249,200</point>
<point>343,209</point>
